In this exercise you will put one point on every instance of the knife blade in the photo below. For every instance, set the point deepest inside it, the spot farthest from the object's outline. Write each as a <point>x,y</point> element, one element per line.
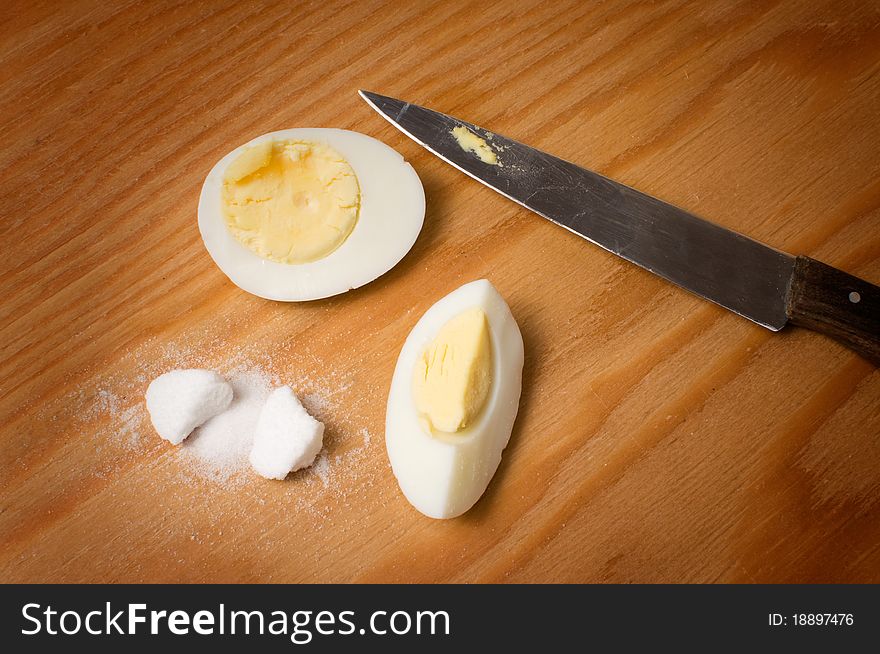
<point>754,280</point>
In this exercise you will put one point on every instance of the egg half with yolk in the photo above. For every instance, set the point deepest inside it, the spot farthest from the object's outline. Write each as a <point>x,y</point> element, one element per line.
<point>303,214</point>
<point>453,400</point>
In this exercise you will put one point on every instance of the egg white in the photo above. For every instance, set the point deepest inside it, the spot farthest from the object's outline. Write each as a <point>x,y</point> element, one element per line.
<point>391,214</point>
<point>443,475</point>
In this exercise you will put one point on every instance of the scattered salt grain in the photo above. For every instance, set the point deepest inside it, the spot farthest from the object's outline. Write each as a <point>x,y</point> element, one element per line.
<point>322,469</point>
<point>287,438</point>
<point>181,400</point>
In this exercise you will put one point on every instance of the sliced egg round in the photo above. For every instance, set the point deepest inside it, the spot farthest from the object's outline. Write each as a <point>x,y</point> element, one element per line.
<point>453,400</point>
<point>307,213</point>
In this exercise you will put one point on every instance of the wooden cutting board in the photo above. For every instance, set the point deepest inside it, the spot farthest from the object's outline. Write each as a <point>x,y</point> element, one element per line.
<point>659,437</point>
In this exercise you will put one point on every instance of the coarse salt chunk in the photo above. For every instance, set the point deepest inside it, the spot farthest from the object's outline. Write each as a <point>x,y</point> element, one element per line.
<point>287,438</point>
<point>181,400</point>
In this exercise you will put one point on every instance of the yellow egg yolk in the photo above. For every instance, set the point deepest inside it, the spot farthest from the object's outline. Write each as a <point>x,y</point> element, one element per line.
<point>453,375</point>
<point>290,201</point>
<point>470,142</point>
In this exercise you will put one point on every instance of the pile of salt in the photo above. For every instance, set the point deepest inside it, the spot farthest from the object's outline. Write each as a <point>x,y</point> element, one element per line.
<point>284,438</point>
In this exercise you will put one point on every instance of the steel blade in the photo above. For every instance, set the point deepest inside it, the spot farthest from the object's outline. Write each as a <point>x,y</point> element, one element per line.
<point>739,273</point>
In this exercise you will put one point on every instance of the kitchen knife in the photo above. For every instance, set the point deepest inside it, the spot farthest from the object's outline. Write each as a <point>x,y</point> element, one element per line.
<point>765,285</point>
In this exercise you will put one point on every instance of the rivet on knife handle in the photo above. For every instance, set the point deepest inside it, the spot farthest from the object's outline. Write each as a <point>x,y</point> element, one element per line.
<point>835,303</point>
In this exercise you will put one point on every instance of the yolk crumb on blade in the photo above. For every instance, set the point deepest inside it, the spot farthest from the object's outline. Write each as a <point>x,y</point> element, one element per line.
<point>470,142</point>
<point>453,375</point>
<point>290,201</point>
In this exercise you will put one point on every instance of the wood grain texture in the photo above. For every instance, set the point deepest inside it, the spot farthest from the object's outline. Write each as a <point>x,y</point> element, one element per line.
<point>659,438</point>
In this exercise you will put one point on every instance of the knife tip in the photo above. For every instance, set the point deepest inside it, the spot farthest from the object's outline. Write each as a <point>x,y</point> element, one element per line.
<point>391,108</point>
<point>369,96</point>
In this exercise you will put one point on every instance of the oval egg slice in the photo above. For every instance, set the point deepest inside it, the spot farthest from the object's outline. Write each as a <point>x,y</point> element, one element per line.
<point>257,221</point>
<point>453,400</point>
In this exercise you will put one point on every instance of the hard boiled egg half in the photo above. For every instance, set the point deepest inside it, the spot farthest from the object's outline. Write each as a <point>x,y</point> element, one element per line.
<point>453,400</point>
<point>302,214</point>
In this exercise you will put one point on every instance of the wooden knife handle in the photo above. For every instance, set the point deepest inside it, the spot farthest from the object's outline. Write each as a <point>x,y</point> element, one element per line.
<point>832,302</point>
